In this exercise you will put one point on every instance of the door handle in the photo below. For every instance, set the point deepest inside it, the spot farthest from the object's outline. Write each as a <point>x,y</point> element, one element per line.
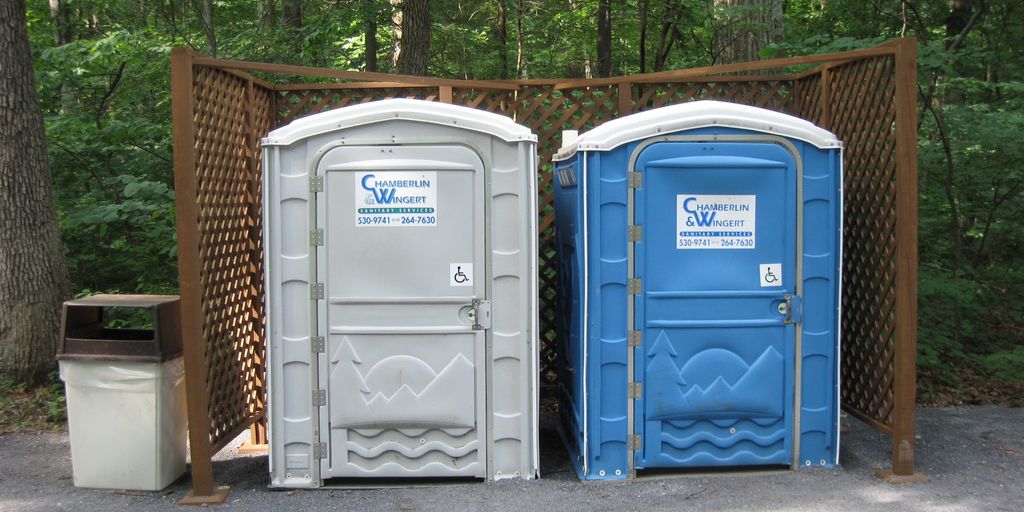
<point>791,309</point>
<point>481,314</point>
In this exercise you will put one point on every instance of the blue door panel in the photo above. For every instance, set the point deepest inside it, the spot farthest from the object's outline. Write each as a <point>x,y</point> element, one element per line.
<point>716,361</point>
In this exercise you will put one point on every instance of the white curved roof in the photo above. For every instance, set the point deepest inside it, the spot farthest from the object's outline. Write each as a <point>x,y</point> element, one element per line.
<point>383,110</point>
<point>697,114</point>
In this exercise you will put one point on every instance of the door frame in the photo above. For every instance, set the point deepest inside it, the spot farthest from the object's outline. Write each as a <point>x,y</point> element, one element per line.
<point>320,370</point>
<point>631,273</point>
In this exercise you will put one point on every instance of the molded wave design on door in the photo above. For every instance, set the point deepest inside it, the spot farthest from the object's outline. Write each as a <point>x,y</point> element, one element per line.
<point>400,391</point>
<point>713,383</point>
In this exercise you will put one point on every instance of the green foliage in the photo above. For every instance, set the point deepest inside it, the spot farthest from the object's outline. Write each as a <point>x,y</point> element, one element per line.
<point>105,97</point>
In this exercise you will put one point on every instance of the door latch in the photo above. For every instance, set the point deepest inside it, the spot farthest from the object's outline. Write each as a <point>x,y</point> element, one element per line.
<point>481,314</point>
<point>790,309</point>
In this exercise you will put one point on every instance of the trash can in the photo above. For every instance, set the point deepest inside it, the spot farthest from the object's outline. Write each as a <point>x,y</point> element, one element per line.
<point>125,393</point>
<point>400,240</point>
<point>699,249</point>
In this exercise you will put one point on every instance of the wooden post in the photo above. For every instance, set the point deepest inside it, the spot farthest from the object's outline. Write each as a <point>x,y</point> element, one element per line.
<point>192,340</point>
<point>444,93</point>
<point>625,99</point>
<point>905,385</point>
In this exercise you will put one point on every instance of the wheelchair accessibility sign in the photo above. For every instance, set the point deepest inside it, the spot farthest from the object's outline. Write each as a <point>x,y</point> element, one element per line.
<point>460,274</point>
<point>771,274</point>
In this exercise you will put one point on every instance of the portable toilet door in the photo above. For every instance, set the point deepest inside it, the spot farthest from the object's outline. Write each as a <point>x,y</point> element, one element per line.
<point>728,273</point>
<point>401,294</point>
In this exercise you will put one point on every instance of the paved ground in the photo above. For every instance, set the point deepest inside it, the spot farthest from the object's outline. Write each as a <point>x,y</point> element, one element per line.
<point>974,457</point>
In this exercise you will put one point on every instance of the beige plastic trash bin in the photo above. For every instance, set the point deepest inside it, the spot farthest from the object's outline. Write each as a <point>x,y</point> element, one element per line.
<point>125,394</point>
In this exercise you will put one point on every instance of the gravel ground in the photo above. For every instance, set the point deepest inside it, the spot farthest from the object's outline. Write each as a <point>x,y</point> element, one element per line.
<point>974,457</point>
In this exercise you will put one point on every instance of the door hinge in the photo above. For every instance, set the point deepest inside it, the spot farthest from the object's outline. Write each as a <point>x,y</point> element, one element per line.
<point>316,184</point>
<point>634,338</point>
<point>634,286</point>
<point>635,443</point>
<point>319,451</point>
<point>317,345</point>
<point>319,397</point>
<point>316,237</point>
<point>316,291</point>
<point>636,390</point>
<point>636,233</point>
<point>636,180</point>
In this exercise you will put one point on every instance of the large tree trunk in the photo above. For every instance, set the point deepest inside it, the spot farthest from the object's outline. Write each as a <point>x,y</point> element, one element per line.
<point>745,27</point>
<point>604,38</point>
<point>415,44</point>
<point>33,276</point>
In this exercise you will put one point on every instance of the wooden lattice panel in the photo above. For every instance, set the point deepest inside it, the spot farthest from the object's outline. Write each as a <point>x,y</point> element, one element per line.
<point>293,104</point>
<point>863,115</point>
<point>807,92</point>
<point>498,102</point>
<point>548,111</point>
<point>229,116</point>
<point>773,95</point>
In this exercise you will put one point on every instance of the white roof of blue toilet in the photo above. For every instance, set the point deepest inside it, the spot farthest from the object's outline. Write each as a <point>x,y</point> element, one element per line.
<point>400,109</point>
<point>697,114</point>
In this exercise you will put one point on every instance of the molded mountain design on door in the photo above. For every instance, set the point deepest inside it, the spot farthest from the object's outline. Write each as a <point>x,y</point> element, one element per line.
<point>714,383</point>
<point>400,391</point>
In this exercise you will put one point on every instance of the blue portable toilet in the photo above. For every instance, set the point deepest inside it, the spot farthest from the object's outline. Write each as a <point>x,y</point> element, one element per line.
<point>700,255</point>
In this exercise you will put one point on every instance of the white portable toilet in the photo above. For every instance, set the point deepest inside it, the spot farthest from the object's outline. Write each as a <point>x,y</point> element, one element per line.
<point>400,241</point>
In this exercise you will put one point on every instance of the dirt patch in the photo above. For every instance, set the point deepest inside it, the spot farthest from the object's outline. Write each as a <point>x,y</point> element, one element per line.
<point>970,387</point>
<point>41,409</point>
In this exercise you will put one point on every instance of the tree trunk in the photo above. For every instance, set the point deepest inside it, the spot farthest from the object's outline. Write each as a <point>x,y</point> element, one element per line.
<point>501,35</point>
<point>666,36</point>
<point>415,44</point>
<point>745,27</point>
<point>268,13</point>
<point>370,36</point>
<point>291,14</point>
<point>33,276</point>
<point>63,30</point>
<point>645,7</point>
<point>208,31</point>
<point>521,70</point>
<point>604,38</point>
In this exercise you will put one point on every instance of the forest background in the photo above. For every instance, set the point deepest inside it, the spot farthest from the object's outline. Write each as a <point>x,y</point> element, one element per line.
<point>102,70</point>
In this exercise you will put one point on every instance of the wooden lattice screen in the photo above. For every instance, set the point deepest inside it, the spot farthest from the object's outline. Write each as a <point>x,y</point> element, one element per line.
<point>220,112</point>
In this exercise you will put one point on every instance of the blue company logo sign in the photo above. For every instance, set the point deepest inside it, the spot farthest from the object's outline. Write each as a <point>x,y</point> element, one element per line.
<point>397,193</point>
<point>715,221</point>
<point>395,198</point>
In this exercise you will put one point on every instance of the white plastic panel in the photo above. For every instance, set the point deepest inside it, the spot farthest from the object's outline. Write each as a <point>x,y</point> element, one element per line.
<point>364,318</point>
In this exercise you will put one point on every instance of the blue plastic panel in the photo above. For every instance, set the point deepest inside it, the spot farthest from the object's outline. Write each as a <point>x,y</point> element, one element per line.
<point>593,321</point>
